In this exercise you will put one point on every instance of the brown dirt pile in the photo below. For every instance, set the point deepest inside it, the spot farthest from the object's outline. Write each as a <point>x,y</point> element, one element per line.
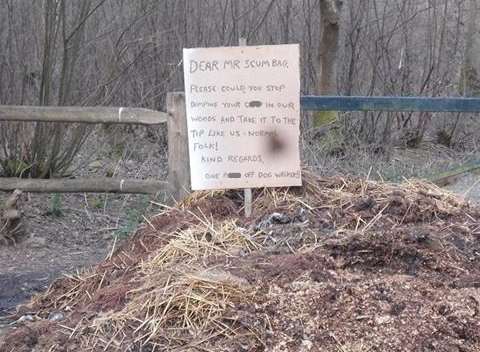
<point>338,265</point>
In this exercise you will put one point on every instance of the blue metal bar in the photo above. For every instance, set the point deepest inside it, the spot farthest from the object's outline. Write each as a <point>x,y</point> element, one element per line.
<point>420,104</point>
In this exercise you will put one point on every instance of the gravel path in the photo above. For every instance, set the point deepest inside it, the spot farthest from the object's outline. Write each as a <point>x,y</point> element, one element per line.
<point>467,186</point>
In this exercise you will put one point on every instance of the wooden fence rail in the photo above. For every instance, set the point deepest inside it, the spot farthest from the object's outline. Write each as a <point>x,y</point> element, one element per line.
<point>410,104</point>
<point>82,115</point>
<point>81,185</point>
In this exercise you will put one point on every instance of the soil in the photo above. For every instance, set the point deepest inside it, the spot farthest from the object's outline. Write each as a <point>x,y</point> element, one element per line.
<point>63,234</point>
<point>341,264</point>
<point>55,244</point>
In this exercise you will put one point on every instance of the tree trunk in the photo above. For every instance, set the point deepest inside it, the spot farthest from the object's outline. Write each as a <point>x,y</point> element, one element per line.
<point>470,77</point>
<point>330,11</point>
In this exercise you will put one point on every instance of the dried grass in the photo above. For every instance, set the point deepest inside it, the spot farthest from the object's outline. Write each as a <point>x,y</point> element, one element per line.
<point>176,302</point>
<point>194,198</point>
<point>207,239</point>
<point>171,307</point>
<point>412,201</point>
<point>68,292</point>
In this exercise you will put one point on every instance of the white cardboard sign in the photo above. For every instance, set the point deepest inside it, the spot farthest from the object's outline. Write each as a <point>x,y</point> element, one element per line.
<point>243,111</point>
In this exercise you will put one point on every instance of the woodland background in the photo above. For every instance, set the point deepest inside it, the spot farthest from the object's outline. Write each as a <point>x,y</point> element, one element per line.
<point>129,53</point>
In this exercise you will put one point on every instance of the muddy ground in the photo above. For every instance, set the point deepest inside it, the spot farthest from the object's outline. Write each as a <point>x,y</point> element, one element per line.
<point>62,234</point>
<point>52,244</point>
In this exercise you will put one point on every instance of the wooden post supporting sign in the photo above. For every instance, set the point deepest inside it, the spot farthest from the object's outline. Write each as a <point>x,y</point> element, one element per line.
<point>247,193</point>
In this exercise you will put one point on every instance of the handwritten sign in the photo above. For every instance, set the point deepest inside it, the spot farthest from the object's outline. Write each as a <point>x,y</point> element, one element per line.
<point>243,111</point>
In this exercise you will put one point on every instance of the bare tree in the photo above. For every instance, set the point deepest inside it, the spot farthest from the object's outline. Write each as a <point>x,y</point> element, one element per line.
<point>330,11</point>
<point>470,78</point>
<point>129,53</point>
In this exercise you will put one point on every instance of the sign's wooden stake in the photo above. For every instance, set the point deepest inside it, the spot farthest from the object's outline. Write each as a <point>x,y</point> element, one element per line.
<point>247,192</point>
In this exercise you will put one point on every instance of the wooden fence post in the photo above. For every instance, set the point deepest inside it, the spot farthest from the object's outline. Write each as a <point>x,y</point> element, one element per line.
<point>178,157</point>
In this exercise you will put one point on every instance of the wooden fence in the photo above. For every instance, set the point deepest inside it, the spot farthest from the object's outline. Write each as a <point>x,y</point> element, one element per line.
<point>178,181</point>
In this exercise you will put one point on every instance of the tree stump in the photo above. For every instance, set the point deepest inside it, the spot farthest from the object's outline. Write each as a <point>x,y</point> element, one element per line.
<point>11,220</point>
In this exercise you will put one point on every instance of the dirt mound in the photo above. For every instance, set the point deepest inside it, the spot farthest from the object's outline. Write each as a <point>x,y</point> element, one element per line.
<point>337,265</point>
